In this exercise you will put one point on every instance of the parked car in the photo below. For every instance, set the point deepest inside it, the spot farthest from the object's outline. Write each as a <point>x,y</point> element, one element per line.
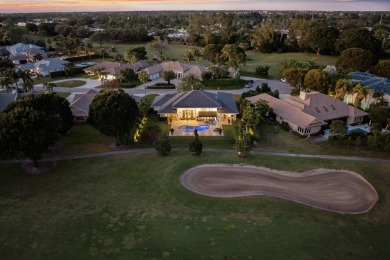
<point>283,80</point>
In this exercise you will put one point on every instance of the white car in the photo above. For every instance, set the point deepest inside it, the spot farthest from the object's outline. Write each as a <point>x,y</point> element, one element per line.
<point>283,80</point>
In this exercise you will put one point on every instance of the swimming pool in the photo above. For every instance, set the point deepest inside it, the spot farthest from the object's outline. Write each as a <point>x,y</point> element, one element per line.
<point>190,128</point>
<point>85,64</point>
<point>357,131</point>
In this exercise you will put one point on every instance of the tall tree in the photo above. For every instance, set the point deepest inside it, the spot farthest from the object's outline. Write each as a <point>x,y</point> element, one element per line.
<point>143,76</point>
<point>317,80</point>
<point>358,38</point>
<point>356,59</point>
<point>51,104</point>
<point>113,113</point>
<point>168,75</point>
<point>135,54</point>
<point>243,144</point>
<point>320,38</point>
<point>28,131</point>
<point>190,82</point>
<point>233,56</point>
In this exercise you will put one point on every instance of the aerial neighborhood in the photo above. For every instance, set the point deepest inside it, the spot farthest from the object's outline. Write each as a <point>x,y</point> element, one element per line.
<point>180,118</point>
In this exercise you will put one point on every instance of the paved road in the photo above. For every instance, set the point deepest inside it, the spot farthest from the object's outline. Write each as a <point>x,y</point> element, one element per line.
<point>149,150</point>
<point>283,88</point>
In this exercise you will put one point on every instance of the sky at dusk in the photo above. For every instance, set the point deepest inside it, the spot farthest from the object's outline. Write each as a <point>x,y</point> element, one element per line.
<point>23,6</point>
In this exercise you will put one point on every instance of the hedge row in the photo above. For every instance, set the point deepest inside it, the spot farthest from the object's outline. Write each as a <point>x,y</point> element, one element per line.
<point>61,73</point>
<point>223,82</point>
<point>82,58</point>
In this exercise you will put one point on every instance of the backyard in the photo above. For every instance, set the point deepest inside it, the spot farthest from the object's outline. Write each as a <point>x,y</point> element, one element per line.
<point>133,206</point>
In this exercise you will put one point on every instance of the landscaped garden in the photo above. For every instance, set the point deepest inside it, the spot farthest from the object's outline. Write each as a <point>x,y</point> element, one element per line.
<point>133,206</point>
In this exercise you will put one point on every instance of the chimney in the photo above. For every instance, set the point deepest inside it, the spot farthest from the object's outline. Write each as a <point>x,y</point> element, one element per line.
<point>303,95</point>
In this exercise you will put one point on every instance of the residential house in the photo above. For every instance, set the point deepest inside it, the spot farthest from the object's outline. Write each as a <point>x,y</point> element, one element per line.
<point>79,103</point>
<point>21,53</point>
<point>45,66</point>
<point>111,69</point>
<point>180,69</point>
<point>309,111</point>
<point>196,105</point>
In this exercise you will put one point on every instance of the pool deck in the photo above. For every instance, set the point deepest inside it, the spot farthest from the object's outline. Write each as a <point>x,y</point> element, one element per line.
<point>364,127</point>
<point>209,132</point>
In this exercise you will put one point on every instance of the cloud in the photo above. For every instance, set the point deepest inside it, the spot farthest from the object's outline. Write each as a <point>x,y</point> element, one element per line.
<point>145,5</point>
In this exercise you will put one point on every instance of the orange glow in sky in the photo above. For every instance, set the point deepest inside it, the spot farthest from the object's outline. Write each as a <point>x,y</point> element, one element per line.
<point>25,6</point>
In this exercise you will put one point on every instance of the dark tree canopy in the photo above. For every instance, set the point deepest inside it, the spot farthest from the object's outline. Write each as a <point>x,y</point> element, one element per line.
<point>168,75</point>
<point>356,59</point>
<point>51,104</point>
<point>358,38</point>
<point>317,80</point>
<point>321,38</point>
<point>113,113</point>
<point>28,131</point>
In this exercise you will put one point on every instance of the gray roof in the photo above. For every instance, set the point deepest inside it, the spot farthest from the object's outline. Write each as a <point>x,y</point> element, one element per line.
<point>228,104</point>
<point>167,104</point>
<point>5,99</point>
<point>27,66</point>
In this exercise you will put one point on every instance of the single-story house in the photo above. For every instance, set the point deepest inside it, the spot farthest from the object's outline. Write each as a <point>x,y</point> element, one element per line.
<point>180,69</point>
<point>21,53</point>
<point>196,105</point>
<point>111,69</point>
<point>309,111</point>
<point>79,103</point>
<point>45,66</point>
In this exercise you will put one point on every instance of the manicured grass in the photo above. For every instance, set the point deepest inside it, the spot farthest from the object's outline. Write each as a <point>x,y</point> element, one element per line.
<point>133,207</point>
<point>274,139</point>
<point>221,84</point>
<point>71,83</point>
<point>83,138</point>
<point>42,80</point>
<point>63,94</point>
<point>274,59</point>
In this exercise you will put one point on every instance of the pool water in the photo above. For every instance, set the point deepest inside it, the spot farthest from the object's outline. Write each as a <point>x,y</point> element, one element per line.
<point>190,128</point>
<point>357,131</point>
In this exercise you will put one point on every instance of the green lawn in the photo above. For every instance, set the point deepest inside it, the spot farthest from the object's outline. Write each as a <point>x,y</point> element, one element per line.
<point>274,59</point>
<point>133,207</point>
<point>42,80</point>
<point>274,139</point>
<point>63,94</point>
<point>71,83</point>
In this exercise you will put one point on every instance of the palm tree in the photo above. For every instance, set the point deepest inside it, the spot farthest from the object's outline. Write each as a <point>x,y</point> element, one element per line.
<point>49,86</point>
<point>190,82</point>
<point>189,56</point>
<point>113,50</point>
<point>233,56</point>
<point>143,76</point>
<point>378,96</point>
<point>6,82</point>
<point>360,93</point>
<point>197,52</point>
<point>102,52</point>
<point>68,69</point>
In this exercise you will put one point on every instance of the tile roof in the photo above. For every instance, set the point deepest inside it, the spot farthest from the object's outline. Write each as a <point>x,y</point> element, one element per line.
<point>324,107</point>
<point>289,112</point>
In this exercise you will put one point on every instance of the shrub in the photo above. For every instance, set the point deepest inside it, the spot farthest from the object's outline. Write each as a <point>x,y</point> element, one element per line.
<point>262,70</point>
<point>162,145</point>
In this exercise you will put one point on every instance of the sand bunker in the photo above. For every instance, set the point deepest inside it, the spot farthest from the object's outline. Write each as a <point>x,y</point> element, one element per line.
<point>334,190</point>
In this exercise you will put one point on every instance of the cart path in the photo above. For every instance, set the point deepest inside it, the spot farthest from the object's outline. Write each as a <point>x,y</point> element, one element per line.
<point>150,150</point>
<point>333,190</point>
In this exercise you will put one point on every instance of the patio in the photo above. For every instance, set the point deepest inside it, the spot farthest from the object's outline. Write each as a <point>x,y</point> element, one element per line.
<point>211,131</point>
